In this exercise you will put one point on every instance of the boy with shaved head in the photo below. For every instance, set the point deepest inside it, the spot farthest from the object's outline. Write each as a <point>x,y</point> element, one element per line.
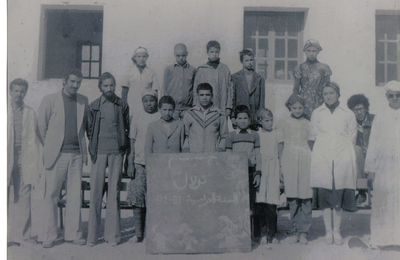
<point>178,80</point>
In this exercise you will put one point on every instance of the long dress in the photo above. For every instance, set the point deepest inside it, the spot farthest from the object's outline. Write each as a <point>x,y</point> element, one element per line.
<point>383,158</point>
<point>310,77</point>
<point>296,157</point>
<point>269,191</point>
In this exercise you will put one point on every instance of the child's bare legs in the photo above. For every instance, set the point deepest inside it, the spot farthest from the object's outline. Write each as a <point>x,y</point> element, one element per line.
<point>327,214</point>
<point>337,220</point>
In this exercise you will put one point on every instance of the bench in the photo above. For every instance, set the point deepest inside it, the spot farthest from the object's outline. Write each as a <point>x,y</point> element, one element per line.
<point>85,195</point>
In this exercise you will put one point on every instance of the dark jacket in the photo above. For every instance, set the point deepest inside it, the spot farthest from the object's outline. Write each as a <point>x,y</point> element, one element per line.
<point>253,97</point>
<point>121,110</point>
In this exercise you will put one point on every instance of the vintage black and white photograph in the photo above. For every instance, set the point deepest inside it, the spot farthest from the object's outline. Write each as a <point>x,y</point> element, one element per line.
<point>203,129</point>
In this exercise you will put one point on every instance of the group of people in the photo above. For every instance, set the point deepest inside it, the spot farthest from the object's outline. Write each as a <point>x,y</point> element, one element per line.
<point>314,155</point>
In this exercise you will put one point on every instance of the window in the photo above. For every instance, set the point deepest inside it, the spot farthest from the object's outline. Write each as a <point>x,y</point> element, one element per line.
<point>387,48</point>
<point>276,38</point>
<point>90,60</point>
<point>71,38</point>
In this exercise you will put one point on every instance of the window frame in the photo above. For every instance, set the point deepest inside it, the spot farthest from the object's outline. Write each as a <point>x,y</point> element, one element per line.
<point>41,65</point>
<point>272,37</point>
<point>89,61</point>
<point>386,41</point>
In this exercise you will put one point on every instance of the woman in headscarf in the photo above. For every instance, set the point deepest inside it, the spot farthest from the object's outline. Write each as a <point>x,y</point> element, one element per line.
<point>310,77</point>
<point>333,162</point>
<point>383,165</point>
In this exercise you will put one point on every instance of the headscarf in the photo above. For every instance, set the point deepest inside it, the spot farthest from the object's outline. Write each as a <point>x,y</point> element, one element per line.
<point>149,92</point>
<point>333,85</point>
<point>393,86</point>
<point>312,43</point>
<point>140,50</point>
<point>293,99</point>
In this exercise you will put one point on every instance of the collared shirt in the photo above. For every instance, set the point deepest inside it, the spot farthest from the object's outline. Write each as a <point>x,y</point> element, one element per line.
<point>108,134</point>
<point>204,128</point>
<point>178,83</point>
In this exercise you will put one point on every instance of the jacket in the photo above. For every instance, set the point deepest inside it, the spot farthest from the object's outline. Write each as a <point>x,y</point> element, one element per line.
<point>121,113</point>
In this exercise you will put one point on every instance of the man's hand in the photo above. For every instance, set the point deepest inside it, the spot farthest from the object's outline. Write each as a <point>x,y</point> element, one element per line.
<point>221,147</point>
<point>228,112</point>
<point>257,180</point>
<point>370,175</point>
<point>131,167</point>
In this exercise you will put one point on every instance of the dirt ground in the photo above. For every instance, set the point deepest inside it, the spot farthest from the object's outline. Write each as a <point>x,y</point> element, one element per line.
<point>354,225</point>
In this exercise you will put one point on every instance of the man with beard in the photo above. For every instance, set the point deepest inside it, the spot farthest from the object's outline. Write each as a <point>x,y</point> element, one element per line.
<point>108,141</point>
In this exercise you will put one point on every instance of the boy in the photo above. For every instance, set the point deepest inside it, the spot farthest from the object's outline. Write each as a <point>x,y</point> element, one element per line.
<point>248,142</point>
<point>136,161</point>
<point>165,135</point>
<point>205,125</point>
<point>108,141</point>
<point>178,81</point>
<point>248,87</point>
<point>218,76</point>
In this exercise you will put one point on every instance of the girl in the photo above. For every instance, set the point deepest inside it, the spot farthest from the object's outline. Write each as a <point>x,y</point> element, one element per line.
<point>137,161</point>
<point>333,162</point>
<point>296,157</point>
<point>310,77</point>
<point>267,197</point>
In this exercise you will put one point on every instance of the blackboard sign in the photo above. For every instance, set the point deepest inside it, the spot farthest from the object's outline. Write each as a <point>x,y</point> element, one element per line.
<point>197,203</point>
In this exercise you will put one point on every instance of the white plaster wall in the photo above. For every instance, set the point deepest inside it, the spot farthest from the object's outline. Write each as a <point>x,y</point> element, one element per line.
<point>345,29</point>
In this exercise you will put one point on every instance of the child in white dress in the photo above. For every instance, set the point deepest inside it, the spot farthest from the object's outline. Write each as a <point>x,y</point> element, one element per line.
<point>267,197</point>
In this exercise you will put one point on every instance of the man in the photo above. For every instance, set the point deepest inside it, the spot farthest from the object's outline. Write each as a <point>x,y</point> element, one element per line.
<point>24,162</point>
<point>62,124</point>
<point>108,141</point>
<point>360,106</point>
<point>382,164</point>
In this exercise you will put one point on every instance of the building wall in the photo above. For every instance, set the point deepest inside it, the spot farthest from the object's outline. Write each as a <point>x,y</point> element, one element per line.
<point>345,29</point>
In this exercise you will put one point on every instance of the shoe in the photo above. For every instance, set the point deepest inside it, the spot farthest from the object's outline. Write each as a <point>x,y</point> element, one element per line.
<point>48,244</point>
<point>91,244</point>
<point>113,244</point>
<point>136,239</point>
<point>13,243</point>
<point>303,239</point>
<point>293,239</point>
<point>79,242</point>
<point>337,238</point>
<point>328,238</point>
<point>263,241</point>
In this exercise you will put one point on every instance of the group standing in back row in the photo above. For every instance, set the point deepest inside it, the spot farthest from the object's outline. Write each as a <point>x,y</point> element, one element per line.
<point>190,114</point>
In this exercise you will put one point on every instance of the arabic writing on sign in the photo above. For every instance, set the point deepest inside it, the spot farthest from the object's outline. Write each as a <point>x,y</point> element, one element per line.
<point>203,201</point>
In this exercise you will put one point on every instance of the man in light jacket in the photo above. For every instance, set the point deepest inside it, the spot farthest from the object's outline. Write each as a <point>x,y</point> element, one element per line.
<point>62,121</point>
<point>24,164</point>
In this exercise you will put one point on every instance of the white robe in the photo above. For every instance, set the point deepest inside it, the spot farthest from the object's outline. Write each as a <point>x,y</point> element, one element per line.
<point>334,135</point>
<point>383,158</point>
<point>138,83</point>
